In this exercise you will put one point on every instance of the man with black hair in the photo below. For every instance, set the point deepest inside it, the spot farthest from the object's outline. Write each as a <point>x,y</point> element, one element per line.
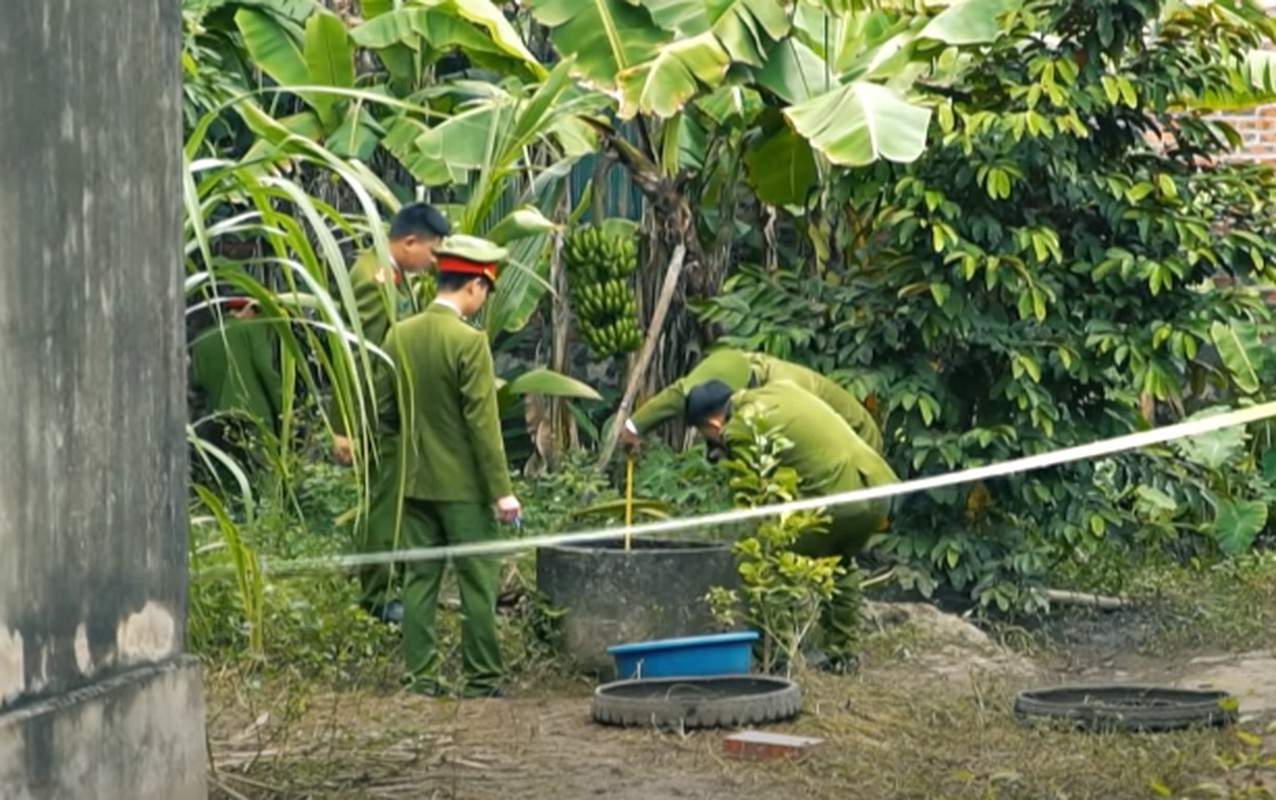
<point>458,481</point>
<point>380,290</point>
<point>382,296</point>
<point>829,458</point>
<point>739,370</point>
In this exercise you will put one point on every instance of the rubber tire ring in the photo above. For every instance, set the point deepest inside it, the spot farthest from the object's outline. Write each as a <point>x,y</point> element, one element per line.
<point>687,713</point>
<point>1186,708</point>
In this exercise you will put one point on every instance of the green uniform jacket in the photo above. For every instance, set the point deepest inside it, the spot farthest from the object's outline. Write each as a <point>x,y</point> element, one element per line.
<point>456,453</point>
<point>379,303</point>
<point>827,455</point>
<point>234,367</point>
<point>735,368</point>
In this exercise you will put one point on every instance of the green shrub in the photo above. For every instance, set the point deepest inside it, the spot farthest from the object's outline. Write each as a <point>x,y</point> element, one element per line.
<point>781,592</point>
<point>1039,279</point>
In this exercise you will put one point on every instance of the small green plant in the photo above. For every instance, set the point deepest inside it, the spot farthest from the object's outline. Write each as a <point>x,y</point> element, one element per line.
<point>685,480</point>
<point>781,592</point>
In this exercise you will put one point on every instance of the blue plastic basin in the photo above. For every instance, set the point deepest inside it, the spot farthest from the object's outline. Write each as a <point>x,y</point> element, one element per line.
<point>692,656</point>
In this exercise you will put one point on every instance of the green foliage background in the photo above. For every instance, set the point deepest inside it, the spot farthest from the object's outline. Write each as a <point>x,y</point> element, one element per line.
<point>1003,222</point>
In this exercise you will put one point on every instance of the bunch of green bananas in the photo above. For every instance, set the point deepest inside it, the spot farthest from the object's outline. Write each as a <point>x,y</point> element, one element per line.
<point>598,267</point>
<point>590,253</point>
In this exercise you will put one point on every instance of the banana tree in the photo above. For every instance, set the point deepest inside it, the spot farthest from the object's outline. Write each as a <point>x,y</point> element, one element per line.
<point>795,90</point>
<point>509,152</point>
<point>313,53</point>
<point>415,35</point>
<point>543,382</point>
<point>840,78</point>
<point>769,94</point>
<point>302,44</point>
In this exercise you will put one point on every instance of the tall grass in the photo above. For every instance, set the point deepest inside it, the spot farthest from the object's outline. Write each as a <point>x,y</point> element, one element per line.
<point>297,249</point>
<point>297,274</point>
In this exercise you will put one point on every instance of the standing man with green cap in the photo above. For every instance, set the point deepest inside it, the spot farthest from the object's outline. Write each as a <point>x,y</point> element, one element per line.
<point>741,370</point>
<point>458,481</point>
<point>829,458</point>
<point>382,296</point>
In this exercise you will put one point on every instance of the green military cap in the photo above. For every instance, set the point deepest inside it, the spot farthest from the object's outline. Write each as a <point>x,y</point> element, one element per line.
<point>470,255</point>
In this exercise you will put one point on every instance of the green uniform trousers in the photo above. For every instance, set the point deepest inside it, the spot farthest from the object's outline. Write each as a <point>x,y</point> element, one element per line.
<point>378,530</point>
<point>848,531</point>
<point>430,524</point>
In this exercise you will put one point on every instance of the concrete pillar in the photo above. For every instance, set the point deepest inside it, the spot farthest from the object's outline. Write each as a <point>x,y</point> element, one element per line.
<point>97,699</point>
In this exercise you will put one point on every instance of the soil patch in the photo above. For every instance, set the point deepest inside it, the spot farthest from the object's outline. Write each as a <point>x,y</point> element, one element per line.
<point>928,715</point>
<point>943,645</point>
<point>1110,656</point>
<point>395,746</point>
<point>1250,677</point>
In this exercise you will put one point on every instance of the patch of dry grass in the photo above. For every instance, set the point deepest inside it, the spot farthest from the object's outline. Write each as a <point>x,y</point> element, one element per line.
<point>928,716</point>
<point>893,735</point>
<point>1228,606</point>
<point>895,730</point>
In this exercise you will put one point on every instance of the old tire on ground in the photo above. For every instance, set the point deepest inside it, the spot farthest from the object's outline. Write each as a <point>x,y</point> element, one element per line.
<point>1126,708</point>
<point>727,701</point>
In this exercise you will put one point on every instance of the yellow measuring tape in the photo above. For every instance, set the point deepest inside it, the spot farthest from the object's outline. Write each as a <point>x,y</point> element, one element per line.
<point>629,500</point>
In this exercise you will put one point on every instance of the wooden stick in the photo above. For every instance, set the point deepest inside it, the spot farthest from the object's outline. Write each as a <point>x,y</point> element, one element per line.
<point>878,579</point>
<point>1086,599</point>
<point>561,318</point>
<point>644,356</point>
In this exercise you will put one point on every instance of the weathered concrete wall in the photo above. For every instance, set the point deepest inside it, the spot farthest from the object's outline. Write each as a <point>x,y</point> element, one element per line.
<point>127,736</point>
<point>92,488</point>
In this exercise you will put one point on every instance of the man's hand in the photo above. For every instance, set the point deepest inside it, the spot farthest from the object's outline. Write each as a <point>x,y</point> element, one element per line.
<point>629,439</point>
<point>508,509</point>
<point>342,450</point>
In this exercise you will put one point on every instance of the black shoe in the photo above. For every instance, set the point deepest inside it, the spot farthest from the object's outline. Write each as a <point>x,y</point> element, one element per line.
<point>713,452</point>
<point>840,665</point>
<point>833,665</point>
<point>426,689</point>
<point>391,613</point>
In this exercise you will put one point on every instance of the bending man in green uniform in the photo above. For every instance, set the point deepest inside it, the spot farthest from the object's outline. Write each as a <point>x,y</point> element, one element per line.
<point>740,370</point>
<point>457,469</point>
<point>381,297</point>
<point>234,366</point>
<point>829,458</point>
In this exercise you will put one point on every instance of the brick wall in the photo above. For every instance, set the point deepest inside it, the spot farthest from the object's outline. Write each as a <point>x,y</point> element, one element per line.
<point>1258,128</point>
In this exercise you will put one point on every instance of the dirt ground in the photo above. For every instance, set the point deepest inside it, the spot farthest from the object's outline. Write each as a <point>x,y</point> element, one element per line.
<point>927,716</point>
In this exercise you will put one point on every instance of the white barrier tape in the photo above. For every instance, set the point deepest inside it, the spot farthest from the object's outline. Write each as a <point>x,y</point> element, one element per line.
<point>504,546</point>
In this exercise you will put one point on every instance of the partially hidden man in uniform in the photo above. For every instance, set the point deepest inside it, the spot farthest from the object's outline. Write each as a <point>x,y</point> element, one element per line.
<point>381,297</point>
<point>740,370</point>
<point>233,365</point>
<point>829,458</point>
<point>458,481</point>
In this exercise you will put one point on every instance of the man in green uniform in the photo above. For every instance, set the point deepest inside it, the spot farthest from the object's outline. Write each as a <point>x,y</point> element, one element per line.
<point>740,370</point>
<point>233,365</point>
<point>829,458</point>
<point>381,297</point>
<point>457,469</point>
<point>380,290</point>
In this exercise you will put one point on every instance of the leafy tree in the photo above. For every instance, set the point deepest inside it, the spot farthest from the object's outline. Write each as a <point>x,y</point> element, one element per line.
<point>733,108</point>
<point>1039,278</point>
